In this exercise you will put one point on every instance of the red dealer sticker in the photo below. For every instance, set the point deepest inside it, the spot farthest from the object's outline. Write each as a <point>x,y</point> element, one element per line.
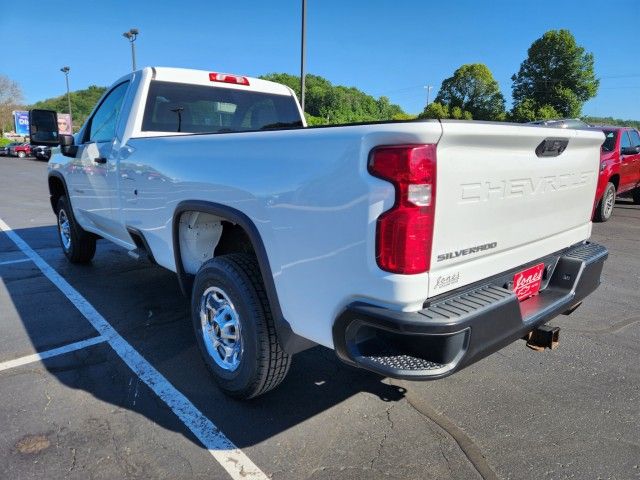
<point>527,282</point>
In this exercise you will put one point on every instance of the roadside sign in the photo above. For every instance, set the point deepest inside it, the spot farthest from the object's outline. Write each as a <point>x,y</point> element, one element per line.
<point>21,120</point>
<point>64,124</point>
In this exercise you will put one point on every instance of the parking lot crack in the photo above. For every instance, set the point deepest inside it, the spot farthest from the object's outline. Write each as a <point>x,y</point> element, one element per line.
<point>46,394</point>
<point>384,438</point>
<point>446,459</point>
<point>73,460</point>
<point>468,447</point>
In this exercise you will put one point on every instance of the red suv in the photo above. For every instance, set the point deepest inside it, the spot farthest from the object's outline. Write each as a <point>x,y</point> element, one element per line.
<point>21,151</point>
<point>619,169</point>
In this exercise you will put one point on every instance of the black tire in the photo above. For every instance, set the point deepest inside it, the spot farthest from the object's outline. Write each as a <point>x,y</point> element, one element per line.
<point>81,245</point>
<point>636,196</point>
<point>262,363</point>
<point>604,210</point>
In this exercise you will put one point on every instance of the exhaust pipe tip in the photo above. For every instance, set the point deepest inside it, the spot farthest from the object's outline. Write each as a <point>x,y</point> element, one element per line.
<point>543,337</point>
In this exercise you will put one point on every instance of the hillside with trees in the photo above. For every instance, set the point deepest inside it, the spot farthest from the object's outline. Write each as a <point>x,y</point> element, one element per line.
<point>328,104</point>
<point>82,103</point>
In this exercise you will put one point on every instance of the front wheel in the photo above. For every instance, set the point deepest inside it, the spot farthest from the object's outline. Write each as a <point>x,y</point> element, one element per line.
<point>21,154</point>
<point>234,327</point>
<point>636,196</point>
<point>605,206</point>
<point>78,246</point>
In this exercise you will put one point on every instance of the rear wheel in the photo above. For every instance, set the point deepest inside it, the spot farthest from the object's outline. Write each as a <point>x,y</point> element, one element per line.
<point>78,245</point>
<point>21,154</point>
<point>234,327</point>
<point>636,196</point>
<point>605,206</point>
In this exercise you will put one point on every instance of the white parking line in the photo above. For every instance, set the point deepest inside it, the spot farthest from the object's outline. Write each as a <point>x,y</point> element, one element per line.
<point>72,347</point>
<point>9,262</point>
<point>232,459</point>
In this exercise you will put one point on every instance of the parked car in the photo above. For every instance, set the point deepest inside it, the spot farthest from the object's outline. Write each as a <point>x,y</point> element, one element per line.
<point>6,150</point>
<point>41,152</point>
<point>619,169</point>
<point>21,150</point>
<point>413,249</point>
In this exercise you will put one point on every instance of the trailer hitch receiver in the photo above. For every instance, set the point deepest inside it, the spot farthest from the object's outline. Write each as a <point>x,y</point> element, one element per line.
<point>543,337</point>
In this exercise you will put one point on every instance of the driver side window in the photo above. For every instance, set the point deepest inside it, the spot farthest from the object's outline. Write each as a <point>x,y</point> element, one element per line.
<point>103,123</point>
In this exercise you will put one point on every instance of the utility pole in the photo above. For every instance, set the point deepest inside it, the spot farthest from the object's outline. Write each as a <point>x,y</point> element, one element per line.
<point>302,53</point>
<point>428,88</point>
<point>66,70</point>
<point>131,35</point>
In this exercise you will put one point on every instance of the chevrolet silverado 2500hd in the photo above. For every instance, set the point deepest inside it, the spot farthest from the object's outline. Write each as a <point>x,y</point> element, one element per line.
<point>413,249</point>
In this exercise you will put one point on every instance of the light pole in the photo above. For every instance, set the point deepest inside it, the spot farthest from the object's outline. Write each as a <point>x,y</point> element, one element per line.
<point>428,88</point>
<point>302,53</point>
<point>65,70</point>
<point>131,35</point>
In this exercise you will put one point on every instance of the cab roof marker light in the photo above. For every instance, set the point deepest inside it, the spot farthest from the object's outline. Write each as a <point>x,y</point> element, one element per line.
<point>228,78</point>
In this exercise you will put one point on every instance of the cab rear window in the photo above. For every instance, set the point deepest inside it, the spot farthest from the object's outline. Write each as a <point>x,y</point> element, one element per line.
<point>179,107</point>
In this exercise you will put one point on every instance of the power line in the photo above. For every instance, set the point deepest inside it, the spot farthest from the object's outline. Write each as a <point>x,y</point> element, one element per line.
<point>631,75</point>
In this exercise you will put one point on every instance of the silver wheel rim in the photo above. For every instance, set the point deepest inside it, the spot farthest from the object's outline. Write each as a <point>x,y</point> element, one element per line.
<point>220,329</point>
<point>609,201</point>
<point>65,229</point>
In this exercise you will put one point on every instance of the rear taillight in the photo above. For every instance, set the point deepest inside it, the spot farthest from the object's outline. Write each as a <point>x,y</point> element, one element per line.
<point>405,232</point>
<point>227,78</point>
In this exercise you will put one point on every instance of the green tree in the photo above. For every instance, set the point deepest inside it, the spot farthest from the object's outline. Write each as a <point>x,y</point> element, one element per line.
<point>403,117</point>
<point>557,73</point>
<point>10,99</point>
<point>459,114</point>
<point>473,89</point>
<point>326,103</point>
<point>527,111</point>
<point>441,111</point>
<point>435,110</point>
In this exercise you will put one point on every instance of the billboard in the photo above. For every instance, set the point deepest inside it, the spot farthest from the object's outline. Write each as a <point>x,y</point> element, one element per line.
<point>64,124</point>
<point>21,120</point>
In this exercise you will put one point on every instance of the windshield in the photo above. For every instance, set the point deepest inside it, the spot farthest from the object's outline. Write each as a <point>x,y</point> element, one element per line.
<point>179,107</point>
<point>609,144</point>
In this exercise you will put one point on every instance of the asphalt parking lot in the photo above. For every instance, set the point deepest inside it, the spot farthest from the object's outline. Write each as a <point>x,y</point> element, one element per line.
<point>87,413</point>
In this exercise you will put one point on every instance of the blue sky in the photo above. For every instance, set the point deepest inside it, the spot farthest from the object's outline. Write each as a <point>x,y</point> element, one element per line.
<point>383,47</point>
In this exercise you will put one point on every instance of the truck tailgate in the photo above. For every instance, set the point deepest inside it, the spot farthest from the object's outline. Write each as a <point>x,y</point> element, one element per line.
<point>501,204</point>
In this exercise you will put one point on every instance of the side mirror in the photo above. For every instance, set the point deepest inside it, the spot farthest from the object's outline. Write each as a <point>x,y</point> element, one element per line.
<point>67,146</point>
<point>630,150</point>
<point>43,128</point>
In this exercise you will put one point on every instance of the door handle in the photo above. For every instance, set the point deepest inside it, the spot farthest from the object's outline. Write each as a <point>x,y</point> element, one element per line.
<point>100,160</point>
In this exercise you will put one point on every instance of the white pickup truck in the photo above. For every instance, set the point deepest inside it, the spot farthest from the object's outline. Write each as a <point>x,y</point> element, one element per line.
<point>413,249</point>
